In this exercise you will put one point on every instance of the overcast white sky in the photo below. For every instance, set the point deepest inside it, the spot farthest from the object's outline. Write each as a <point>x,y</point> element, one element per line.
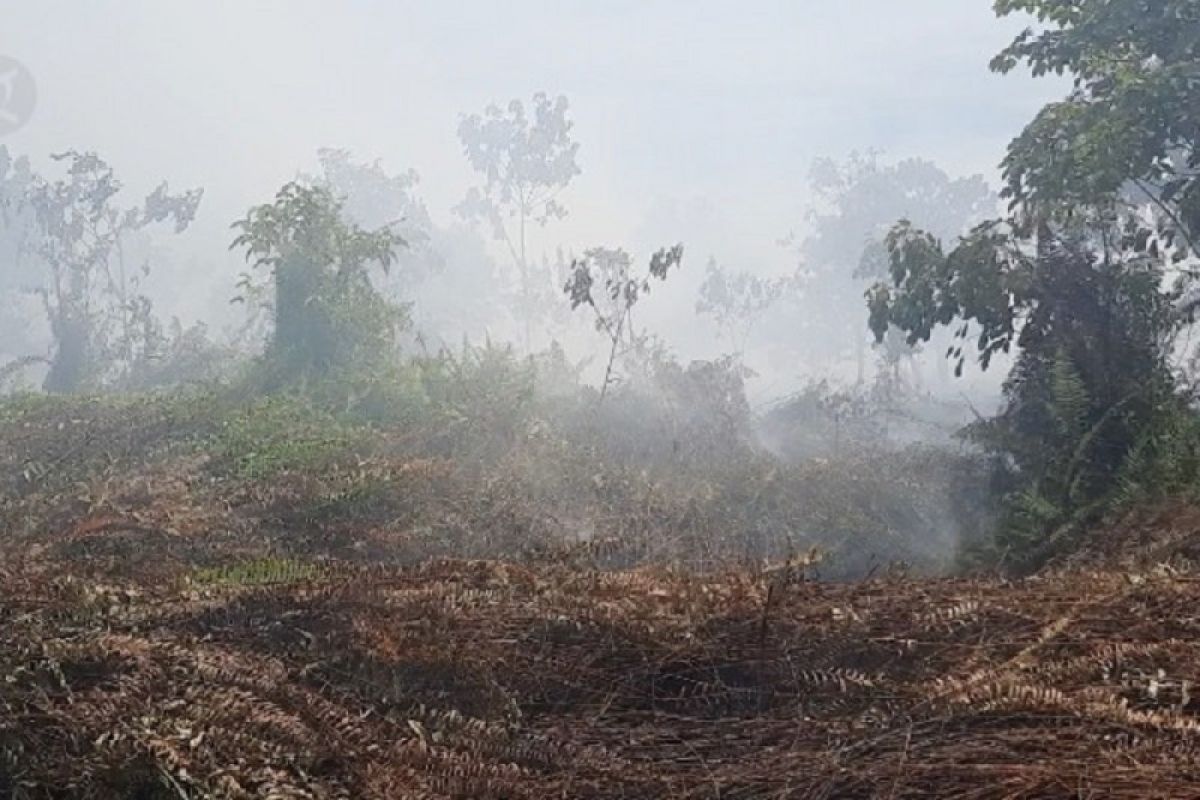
<point>674,101</point>
<point>698,119</point>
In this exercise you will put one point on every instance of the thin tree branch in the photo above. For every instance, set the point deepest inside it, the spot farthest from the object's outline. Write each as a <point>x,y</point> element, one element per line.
<point>1171,215</point>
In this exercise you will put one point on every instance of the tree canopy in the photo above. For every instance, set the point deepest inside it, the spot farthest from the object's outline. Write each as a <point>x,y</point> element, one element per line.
<point>1129,127</point>
<point>1104,205</point>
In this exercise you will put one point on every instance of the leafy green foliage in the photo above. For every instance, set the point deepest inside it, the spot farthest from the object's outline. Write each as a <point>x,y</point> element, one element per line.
<point>328,317</point>
<point>986,280</point>
<point>1075,280</point>
<point>1132,120</point>
<point>1091,331</point>
<point>858,201</point>
<point>279,434</point>
<point>374,199</point>
<point>256,572</point>
<point>482,398</point>
<point>605,281</point>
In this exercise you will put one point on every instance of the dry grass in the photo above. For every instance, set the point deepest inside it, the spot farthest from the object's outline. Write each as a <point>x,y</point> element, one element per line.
<point>370,629</point>
<point>491,679</point>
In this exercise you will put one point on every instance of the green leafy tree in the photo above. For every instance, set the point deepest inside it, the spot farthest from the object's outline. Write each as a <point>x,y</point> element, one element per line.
<point>526,161</point>
<point>1102,189</point>
<point>1125,135</point>
<point>1089,320</point>
<point>606,281</point>
<point>443,273</point>
<point>1128,130</point>
<point>326,313</point>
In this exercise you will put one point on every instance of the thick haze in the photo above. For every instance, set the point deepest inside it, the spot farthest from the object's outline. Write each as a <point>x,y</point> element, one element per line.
<point>697,121</point>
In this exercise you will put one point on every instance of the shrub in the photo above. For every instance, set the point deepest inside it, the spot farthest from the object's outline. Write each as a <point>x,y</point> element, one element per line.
<point>281,433</point>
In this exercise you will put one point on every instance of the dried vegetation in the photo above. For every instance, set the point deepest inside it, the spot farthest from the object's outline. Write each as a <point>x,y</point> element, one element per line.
<point>171,626</point>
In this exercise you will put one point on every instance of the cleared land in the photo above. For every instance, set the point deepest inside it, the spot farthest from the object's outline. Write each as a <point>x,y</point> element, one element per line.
<point>167,632</point>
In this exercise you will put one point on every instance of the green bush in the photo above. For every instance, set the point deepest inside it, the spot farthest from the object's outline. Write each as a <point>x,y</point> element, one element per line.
<point>255,572</point>
<point>281,433</point>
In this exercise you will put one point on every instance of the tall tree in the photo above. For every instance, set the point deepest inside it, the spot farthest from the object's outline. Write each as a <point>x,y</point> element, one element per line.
<point>327,313</point>
<point>97,315</point>
<point>858,200</point>
<point>1084,308</point>
<point>444,275</point>
<point>1128,130</point>
<point>1103,200</point>
<point>525,164</point>
<point>19,275</point>
<point>373,198</point>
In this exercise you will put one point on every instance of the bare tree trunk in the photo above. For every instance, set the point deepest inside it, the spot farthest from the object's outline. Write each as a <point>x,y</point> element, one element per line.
<point>68,367</point>
<point>860,355</point>
<point>526,300</point>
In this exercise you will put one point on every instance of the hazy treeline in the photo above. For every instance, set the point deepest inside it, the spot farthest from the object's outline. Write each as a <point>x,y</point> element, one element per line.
<point>487,273</point>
